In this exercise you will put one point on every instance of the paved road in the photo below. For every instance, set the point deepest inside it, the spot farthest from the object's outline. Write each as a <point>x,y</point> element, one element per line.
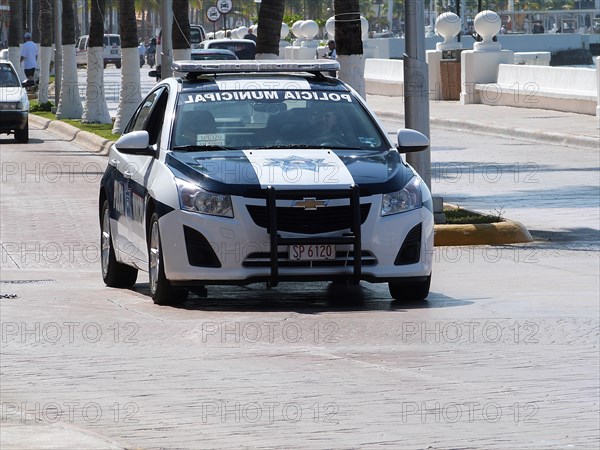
<point>503,355</point>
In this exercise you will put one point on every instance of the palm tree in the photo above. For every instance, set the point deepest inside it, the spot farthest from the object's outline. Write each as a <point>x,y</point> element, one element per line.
<point>46,15</point>
<point>270,17</point>
<point>130,95</point>
<point>96,109</point>
<point>349,48</point>
<point>15,35</point>
<point>69,105</point>
<point>181,30</point>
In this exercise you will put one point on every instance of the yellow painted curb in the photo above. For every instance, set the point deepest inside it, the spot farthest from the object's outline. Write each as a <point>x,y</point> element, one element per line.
<point>507,232</point>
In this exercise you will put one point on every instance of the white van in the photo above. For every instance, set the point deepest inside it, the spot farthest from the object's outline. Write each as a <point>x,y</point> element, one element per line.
<point>111,50</point>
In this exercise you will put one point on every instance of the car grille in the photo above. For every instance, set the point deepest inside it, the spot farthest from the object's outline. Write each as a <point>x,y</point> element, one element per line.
<point>342,259</point>
<point>298,220</point>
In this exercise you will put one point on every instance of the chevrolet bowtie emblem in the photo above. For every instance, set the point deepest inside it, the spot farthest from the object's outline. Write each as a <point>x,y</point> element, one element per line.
<point>310,204</point>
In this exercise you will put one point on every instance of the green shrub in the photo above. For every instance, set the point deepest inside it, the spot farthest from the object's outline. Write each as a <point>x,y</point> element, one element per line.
<point>35,106</point>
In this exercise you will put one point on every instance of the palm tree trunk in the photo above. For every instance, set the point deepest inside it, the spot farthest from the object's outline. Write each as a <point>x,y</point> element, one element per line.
<point>181,30</point>
<point>270,17</point>
<point>96,109</point>
<point>15,35</point>
<point>69,105</point>
<point>129,95</point>
<point>46,17</point>
<point>348,41</point>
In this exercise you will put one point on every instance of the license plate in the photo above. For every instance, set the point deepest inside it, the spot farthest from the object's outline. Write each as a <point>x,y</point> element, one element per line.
<point>312,252</point>
<point>114,52</point>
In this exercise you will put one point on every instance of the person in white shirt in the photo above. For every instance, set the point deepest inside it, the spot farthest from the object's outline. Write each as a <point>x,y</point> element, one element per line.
<point>29,54</point>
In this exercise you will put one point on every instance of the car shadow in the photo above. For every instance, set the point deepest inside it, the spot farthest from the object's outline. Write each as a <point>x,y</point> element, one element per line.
<point>315,298</point>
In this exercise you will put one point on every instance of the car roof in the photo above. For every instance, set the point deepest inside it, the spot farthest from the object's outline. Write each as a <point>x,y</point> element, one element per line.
<point>227,40</point>
<point>6,62</point>
<point>212,51</point>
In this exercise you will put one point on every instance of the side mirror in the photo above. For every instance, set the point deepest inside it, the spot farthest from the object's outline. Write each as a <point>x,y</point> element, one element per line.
<point>153,74</point>
<point>135,143</point>
<point>411,141</point>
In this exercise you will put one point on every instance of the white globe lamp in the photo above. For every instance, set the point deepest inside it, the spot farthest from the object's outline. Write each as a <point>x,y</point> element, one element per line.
<point>448,25</point>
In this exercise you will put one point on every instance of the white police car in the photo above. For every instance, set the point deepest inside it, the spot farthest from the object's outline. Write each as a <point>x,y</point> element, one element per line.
<point>262,171</point>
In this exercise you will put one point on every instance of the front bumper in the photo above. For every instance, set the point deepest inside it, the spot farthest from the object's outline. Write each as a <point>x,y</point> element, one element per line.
<point>238,251</point>
<point>13,120</point>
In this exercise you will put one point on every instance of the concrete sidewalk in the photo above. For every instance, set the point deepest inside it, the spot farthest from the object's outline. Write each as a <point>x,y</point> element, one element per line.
<point>557,127</point>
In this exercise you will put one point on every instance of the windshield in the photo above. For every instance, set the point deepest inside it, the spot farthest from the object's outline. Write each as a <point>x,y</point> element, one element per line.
<point>274,119</point>
<point>8,78</point>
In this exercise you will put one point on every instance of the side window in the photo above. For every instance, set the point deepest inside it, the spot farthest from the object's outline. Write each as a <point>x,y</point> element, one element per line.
<point>105,41</point>
<point>149,115</point>
<point>154,124</point>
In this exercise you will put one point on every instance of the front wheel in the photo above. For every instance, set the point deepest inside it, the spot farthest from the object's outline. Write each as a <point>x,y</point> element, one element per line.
<point>163,293</point>
<point>22,135</point>
<point>410,292</point>
<point>114,273</point>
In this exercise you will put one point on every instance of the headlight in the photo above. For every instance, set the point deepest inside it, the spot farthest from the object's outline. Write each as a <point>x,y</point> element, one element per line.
<point>408,198</point>
<point>193,198</point>
<point>18,106</point>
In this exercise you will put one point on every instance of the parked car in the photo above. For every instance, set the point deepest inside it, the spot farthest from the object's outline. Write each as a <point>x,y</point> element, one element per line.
<point>14,104</point>
<point>262,171</point>
<point>201,54</point>
<point>197,35</point>
<point>111,50</point>
<point>243,48</point>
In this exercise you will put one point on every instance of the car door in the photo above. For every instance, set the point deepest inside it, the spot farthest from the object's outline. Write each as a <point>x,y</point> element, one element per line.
<point>136,170</point>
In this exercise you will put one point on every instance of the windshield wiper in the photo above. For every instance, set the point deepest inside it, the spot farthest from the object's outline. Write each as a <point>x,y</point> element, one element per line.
<point>202,148</point>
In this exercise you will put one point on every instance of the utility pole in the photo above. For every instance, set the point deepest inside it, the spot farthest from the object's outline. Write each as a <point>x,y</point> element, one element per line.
<point>166,59</point>
<point>416,85</point>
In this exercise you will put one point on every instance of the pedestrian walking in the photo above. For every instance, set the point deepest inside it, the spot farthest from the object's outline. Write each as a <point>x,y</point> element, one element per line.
<point>29,54</point>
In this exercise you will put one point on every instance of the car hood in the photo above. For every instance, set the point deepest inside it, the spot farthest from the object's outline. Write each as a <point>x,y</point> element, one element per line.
<point>11,94</point>
<point>243,171</point>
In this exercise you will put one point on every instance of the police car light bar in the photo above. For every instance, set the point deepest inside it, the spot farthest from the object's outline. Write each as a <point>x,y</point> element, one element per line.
<point>229,66</point>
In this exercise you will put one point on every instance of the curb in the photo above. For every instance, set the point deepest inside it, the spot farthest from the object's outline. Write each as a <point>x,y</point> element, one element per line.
<point>88,141</point>
<point>507,232</point>
<point>541,136</point>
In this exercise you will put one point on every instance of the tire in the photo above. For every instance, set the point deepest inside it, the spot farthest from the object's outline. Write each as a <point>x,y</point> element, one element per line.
<point>114,273</point>
<point>118,65</point>
<point>105,64</point>
<point>22,135</point>
<point>410,292</point>
<point>163,293</point>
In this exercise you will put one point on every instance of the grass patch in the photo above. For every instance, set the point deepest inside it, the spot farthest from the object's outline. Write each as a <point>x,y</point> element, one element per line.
<point>101,129</point>
<point>459,216</point>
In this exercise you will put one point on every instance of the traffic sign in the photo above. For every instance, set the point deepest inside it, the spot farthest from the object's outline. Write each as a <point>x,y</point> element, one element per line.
<point>213,14</point>
<point>224,6</point>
